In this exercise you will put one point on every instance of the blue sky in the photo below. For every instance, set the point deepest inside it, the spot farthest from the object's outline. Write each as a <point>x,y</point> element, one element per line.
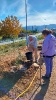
<point>39,12</point>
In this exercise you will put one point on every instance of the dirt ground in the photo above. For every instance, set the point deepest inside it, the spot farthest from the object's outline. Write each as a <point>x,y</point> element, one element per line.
<point>14,83</point>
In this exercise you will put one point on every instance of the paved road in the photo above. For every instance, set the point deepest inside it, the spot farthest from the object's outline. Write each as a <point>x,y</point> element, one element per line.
<point>15,40</point>
<point>10,41</point>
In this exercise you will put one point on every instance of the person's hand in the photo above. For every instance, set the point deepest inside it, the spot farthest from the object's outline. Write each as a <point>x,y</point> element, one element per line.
<point>40,53</point>
<point>26,48</point>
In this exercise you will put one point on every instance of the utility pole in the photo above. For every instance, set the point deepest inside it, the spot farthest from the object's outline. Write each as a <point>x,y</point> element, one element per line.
<point>26,17</point>
<point>32,29</point>
<point>45,25</point>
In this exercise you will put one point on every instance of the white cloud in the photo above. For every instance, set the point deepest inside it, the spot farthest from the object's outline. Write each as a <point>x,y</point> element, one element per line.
<point>40,19</point>
<point>17,8</point>
<point>21,12</point>
<point>3,6</point>
<point>37,18</point>
<point>54,2</point>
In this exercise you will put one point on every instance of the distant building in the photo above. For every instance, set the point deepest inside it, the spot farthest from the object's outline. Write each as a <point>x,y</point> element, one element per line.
<point>54,31</point>
<point>21,35</point>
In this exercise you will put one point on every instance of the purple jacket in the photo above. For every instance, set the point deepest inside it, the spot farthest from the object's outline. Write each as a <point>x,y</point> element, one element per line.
<point>48,47</point>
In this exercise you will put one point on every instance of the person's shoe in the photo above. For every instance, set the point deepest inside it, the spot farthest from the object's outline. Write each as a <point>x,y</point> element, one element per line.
<point>45,77</point>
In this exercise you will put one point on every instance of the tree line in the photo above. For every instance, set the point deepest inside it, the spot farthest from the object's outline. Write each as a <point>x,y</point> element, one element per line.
<point>10,27</point>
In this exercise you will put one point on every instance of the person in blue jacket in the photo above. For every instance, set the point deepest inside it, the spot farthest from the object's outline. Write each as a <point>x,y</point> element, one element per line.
<point>31,45</point>
<point>48,51</point>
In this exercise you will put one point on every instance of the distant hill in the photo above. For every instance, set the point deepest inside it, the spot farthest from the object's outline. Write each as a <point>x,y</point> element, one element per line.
<point>40,28</point>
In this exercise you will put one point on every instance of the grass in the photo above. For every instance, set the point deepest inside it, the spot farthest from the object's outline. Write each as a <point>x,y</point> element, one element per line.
<point>40,37</point>
<point>8,79</point>
<point>19,60</point>
<point>11,47</point>
<point>0,37</point>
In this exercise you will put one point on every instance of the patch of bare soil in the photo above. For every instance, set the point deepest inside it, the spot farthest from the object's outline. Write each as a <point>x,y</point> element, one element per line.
<point>14,83</point>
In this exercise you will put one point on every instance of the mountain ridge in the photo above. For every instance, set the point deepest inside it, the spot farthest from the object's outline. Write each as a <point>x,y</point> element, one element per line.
<point>41,27</point>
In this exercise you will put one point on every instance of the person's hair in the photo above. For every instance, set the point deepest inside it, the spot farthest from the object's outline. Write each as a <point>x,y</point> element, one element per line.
<point>46,31</point>
<point>51,31</point>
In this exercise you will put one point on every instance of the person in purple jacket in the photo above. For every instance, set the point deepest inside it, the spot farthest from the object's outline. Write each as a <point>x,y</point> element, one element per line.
<point>48,51</point>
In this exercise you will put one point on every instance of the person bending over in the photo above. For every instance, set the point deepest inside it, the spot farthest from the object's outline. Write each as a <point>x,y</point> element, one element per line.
<point>31,45</point>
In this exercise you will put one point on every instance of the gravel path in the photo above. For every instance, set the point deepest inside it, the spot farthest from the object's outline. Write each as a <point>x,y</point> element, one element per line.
<point>46,91</point>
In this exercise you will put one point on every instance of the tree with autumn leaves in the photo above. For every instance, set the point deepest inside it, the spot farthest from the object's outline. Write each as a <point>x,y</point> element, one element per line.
<point>10,27</point>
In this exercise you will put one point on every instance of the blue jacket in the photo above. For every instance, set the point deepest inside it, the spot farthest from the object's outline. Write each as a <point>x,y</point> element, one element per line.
<point>33,42</point>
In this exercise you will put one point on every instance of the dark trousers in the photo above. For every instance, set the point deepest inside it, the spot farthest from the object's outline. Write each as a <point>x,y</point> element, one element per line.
<point>49,65</point>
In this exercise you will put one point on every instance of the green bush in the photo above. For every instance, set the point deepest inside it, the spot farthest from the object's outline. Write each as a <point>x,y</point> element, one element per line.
<point>40,37</point>
<point>11,47</point>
